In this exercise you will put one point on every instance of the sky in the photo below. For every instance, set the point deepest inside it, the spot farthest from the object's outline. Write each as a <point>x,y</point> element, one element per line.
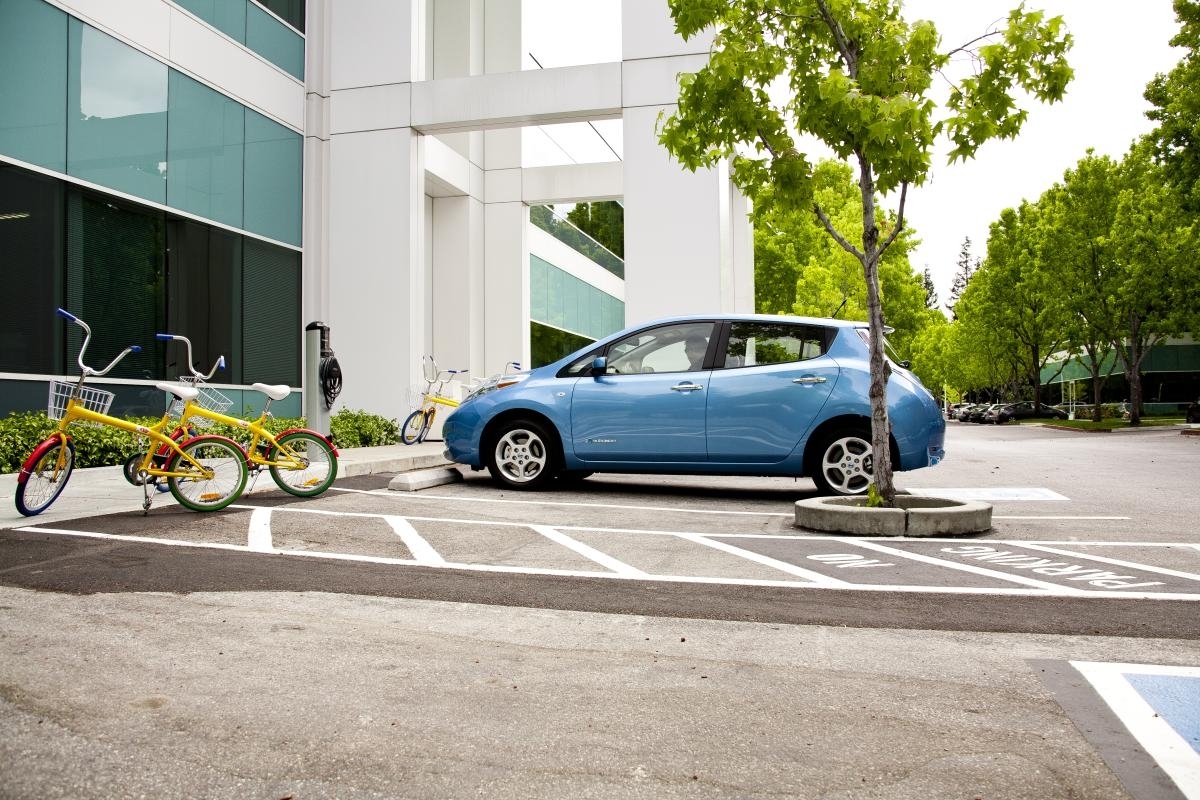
<point>1119,47</point>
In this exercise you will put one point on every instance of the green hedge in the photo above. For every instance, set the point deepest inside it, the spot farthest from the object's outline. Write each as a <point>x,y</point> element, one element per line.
<point>101,446</point>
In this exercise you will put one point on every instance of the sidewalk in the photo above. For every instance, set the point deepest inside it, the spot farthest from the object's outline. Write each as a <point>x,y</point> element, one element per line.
<point>104,490</point>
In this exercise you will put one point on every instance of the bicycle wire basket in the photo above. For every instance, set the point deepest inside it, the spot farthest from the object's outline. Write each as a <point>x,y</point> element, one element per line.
<point>96,400</point>
<point>209,399</point>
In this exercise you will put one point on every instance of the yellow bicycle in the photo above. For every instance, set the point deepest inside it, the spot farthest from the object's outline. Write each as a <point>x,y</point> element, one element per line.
<point>204,473</point>
<point>417,425</point>
<point>301,461</point>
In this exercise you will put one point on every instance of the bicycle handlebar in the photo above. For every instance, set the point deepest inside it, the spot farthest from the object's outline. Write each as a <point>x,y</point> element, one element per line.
<point>84,369</point>
<point>220,363</point>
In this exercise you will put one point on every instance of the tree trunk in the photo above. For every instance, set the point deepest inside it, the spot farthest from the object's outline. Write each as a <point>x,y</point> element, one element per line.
<point>880,369</point>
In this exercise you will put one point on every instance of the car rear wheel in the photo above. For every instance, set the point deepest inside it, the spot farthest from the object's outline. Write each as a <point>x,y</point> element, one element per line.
<point>524,455</point>
<point>845,463</point>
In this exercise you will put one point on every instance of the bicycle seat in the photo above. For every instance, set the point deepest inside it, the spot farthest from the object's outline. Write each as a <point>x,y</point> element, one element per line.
<point>275,392</point>
<point>184,393</point>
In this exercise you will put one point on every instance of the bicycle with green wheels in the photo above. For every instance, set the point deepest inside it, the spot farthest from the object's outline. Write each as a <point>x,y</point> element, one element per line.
<point>418,424</point>
<point>203,473</point>
<point>301,461</point>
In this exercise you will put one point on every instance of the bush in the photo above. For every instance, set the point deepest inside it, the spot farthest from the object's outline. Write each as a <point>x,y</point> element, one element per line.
<point>102,446</point>
<point>362,429</point>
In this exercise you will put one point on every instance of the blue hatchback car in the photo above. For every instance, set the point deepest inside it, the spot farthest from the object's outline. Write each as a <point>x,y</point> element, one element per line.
<point>702,395</point>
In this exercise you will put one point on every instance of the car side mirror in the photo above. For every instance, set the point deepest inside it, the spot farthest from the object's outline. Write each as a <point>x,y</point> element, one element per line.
<point>599,366</point>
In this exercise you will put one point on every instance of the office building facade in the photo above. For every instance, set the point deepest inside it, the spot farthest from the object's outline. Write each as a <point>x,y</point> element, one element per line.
<point>234,170</point>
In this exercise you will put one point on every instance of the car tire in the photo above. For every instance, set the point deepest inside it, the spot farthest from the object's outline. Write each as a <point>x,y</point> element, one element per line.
<point>844,462</point>
<point>523,455</point>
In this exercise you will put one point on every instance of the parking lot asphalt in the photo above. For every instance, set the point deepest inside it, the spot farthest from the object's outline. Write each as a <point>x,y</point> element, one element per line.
<point>143,681</point>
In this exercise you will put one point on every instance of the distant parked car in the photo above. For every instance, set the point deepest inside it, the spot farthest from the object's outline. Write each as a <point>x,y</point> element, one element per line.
<point>990,413</point>
<point>1026,410</point>
<point>953,409</point>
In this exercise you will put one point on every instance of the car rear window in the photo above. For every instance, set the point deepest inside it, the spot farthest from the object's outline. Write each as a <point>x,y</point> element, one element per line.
<point>756,343</point>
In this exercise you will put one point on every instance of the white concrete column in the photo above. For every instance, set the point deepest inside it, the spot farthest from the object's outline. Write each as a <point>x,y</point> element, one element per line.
<point>506,251</point>
<point>376,202</point>
<point>506,286</point>
<point>376,250</point>
<point>457,283</point>
<point>686,236</point>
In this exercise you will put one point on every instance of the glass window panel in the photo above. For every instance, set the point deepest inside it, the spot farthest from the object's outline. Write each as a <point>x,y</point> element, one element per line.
<point>290,11</point>
<point>273,174</point>
<point>115,280</point>
<point>205,144</point>
<point>554,299</point>
<point>537,288</point>
<point>116,115</point>
<point>204,275</point>
<point>227,17</point>
<point>33,83</point>
<point>30,270</point>
<point>271,327</point>
<point>275,41</point>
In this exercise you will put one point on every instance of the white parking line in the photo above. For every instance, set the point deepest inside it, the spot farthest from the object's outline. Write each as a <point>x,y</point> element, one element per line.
<point>971,568</point>
<point>1053,590</point>
<point>673,509</point>
<point>560,503</point>
<point>767,561</point>
<point>258,538</point>
<point>591,553</point>
<point>1173,753</point>
<point>1114,561</point>
<point>421,550</point>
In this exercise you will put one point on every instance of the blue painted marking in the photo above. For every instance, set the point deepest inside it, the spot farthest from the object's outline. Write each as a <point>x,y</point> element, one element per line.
<point>1175,698</point>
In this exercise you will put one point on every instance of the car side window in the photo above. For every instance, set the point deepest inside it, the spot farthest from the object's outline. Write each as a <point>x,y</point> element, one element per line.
<point>757,343</point>
<point>679,347</point>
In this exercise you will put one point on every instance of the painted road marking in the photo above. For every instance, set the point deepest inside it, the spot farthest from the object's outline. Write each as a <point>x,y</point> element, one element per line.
<point>587,551</point>
<point>258,538</point>
<point>993,494</point>
<point>1161,708</point>
<point>416,544</point>
<point>887,566</point>
<point>975,494</point>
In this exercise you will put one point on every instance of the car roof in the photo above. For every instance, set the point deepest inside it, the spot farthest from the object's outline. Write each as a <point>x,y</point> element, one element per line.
<point>828,322</point>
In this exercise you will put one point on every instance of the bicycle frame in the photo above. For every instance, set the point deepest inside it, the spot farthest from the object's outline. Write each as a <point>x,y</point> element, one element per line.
<point>285,454</point>
<point>418,424</point>
<point>45,472</point>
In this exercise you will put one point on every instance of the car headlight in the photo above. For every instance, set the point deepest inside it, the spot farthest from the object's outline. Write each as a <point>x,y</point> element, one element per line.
<point>495,384</point>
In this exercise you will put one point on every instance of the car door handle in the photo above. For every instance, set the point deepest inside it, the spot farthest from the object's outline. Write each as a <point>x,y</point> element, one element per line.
<point>687,387</point>
<point>809,380</point>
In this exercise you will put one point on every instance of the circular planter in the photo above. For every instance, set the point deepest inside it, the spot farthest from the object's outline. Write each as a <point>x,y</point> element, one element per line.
<point>912,516</point>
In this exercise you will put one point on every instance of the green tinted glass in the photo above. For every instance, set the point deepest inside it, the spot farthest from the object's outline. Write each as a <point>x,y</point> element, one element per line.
<point>205,140</point>
<point>274,180</point>
<point>275,41</point>
<point>33,83</point>
<point>116,115</point>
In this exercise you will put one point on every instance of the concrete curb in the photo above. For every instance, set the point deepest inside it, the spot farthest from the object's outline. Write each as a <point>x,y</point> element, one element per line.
<point>416,480</point>
<point>916,516</point>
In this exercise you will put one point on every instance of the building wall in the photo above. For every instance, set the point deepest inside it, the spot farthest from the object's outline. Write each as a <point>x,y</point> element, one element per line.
<point>414,210</point>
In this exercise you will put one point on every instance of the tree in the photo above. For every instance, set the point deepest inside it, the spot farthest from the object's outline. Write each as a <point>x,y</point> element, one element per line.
<point>966,268</point>
<point>1176,100</point>
<point>859,80</point>
<point>1079,215</point>
<point>1023,294</point>
<point>1154,243</point>
<point>931,297</point>
<point>604,221</point>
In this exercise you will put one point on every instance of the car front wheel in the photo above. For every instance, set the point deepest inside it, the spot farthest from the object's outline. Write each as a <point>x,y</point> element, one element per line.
<point>523,456</point>
<point>846,464</point>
